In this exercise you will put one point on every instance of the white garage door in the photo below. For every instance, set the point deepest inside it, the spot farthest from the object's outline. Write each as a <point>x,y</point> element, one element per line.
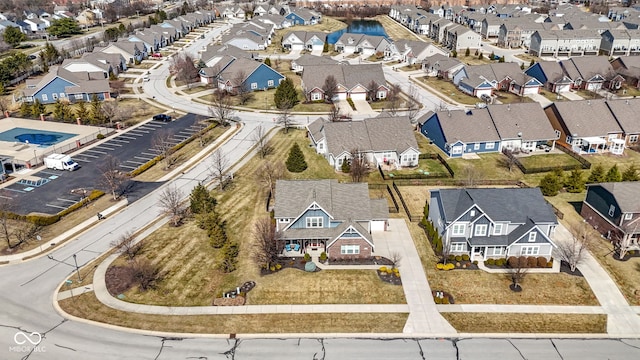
<point>297,47</point>
<point>530,90</point>
<point>358,96</point>
<point>563,88</point>
<point>479,93</point>
<point>378,225</point>
<point>340,96</point>
<point>318,47</point>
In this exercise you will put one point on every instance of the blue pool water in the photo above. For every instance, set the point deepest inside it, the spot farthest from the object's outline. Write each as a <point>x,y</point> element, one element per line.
<point>367,27</point>
<point>33,136</point>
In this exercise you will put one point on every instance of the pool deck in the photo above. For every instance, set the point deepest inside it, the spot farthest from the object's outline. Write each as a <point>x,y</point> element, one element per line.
<point>25,153</point>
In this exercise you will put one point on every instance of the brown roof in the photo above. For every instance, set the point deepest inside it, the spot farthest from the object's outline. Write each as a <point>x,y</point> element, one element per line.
<point>627,113</point>
<point>587,118</point>
<point>345,74</point>
<point>521,120</point>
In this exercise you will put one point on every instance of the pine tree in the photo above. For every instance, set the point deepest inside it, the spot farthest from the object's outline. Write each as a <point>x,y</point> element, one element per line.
<point>325,47</point>
<point>267,62</point>
<point>201,200</point>
<point>230,253</point>
<point>481,56</point>
<point>467,52</point>
<point>346,167</point>
<point>631,174</point>
<point>596,175</point>
<point>295,162</point>
<point>95,113</point>
<point>286,95</point>
<point>613,175</point>
<point>217,233</point>
<point>81,110</point>
<point>574,182</point>
<point>549,185</point>
<point>25,109</point>
<point>37,108</point>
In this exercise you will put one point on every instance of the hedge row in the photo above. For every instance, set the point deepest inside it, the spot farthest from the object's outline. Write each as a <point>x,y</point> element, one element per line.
<point>45,220</point>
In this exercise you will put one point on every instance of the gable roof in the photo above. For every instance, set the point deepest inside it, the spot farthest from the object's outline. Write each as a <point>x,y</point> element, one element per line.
<point>526,121</point>
<point>81,81</point>
<point>587,118</point>
<point>552,71</point>
<point>587,67</point>
<point>467,126</point>
<point>625,193</point>
<point>311,60</point>
<point>626,112</point>
<point>515,205</point>
<point>346,74</point>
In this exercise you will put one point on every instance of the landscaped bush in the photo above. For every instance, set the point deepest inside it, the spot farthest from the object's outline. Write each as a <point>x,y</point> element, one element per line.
<point>542,262</point>
<point>523,261</point>
<point>532,262</point>
<point>490,262</point>
<point>323,256</point>
<point>384,269</point>
<point>437,300</point>
<point>475,262</point>
<point>100,136</point>
<point>449,266</point>
<point>452,257</point>
<point>307,257</point>
<point>550,264</point>
<point>439,266</point>
<point>458,258</point>
<point>513,261</point>
<point>501,261</point>
<point>445,300</point>
<point>465,257</point>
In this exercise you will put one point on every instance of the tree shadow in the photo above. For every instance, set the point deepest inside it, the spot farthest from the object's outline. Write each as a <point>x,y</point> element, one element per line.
<point>577,205</point>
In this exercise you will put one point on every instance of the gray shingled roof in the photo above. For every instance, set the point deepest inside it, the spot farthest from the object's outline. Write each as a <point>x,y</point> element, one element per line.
<point>515,205</point>
<point>311,60</point>
<point>587,117</point>
<point>627,113</point>
<point>343,201</point>
<point>347,75</point>
<point>552,70</point>
<point>467,125</point>
<point>525,119</point>
<point>626,194</point>
<point>587,67</point>
<point>316,127</point>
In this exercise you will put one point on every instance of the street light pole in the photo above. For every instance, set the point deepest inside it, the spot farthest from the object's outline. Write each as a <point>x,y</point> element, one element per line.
<point>77,269</point>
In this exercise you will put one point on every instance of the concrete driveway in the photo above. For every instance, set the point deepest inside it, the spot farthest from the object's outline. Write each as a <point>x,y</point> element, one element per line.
<point>363,107</point>
<point>572,95</point>
<point>543,101</point>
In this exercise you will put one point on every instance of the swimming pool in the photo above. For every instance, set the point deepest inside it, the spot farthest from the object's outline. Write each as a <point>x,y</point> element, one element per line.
<point>33,136</point>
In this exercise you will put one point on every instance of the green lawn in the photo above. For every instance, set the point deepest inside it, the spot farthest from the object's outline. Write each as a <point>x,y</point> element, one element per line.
<point>490,166</point>
<point>548,160</point>
<point>448,90</point>
<point>552,96</point>
<point>510,98</point>
<point>431,166</point>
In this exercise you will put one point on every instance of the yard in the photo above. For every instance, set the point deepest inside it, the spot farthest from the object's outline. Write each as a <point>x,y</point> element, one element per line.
<point>473,59</point>
<point>546,160</point>
<point>506,97</point>
<point>490,166</point>
<point>528,323</point>
<point>448,91</point>
<point>396,31</point>
<point>426,167</point>
<point>551,96</point>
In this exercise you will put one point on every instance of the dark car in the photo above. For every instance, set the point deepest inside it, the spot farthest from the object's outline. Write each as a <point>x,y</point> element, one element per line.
<point>162,117</point>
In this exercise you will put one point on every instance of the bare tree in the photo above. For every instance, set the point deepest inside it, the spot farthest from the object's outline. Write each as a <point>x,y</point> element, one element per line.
<point>219,164</point>
<point>509,160</point>
<point>222,109</point>
<point>372,91</point>
<point>146,273</point>
<point>396,258</point>
<point>184,68</point>
<point>126,244</point>
<point>334,113</point>
<point>574,250</point>
<point>112,177</point>
<point>413,107</point>
<point>394,99</point>
<point>359,166</point>
<point>626,239</point>
<point>243,89</point>
<point>112,112</point>
<point>470,175</point>
<point>330,87</point>
<point>518,274</point>
<point>4,104</point>
<point>266,242</point>
<point>261,141</point>
<point>15,232</point>
<point>268,173</point>
<point>285,118</point>
<point>162,142</point>
<point>201,126</point>
<point>116,86</point>
<point>171,204</point>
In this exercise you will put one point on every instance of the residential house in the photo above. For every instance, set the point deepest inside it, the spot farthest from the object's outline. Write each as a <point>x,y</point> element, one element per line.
<point>248,75</point>
<point>304,40</point>
<point>357,82</point>
<point>383,141</point>
<point>86,18</point>
<point>36,25</point>
<point>362,44</point>
<point>565,43</point>
<point>586,126</point>
<point>522,127</point>
<point>481,80</point>
<point>516,34</point>
<point>315,216</point>
<point>493,223</point>
<point>438,29</point>
<point>629,68</point>
<point>302,16</point>
<point>246,40</point>
<point>459,132</point>
<point>459,38</point>
<point>278,21</point>
<point>132,51</point>
<point>412,52</point>
<point>441,66</point>
<point>179,25</point>
<point>551,75</point>
<point>614,211</point>
<point>211,54</point>
<point>591,73</point>
<point>491,27</point>
<point>620,42</point>
<point>626,111</point>
<point>298,64</point>
<point>151,42</point>
<point>169,33</point>
<point>62,84</point>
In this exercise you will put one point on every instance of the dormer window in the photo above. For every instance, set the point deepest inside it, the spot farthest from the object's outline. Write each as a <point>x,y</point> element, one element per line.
<point>497,229</point>
<point>532,236</point>
<point>472,213</point>
<point>314,222</point>
<point>480,230</point>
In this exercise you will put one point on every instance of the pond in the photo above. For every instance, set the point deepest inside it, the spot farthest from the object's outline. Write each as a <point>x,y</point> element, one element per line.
<point>367,27</point>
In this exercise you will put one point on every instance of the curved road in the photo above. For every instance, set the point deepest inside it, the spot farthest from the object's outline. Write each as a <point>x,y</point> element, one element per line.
<point>28,317</point>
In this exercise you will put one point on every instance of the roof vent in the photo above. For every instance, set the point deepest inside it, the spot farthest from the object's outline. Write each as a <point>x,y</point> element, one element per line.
<point>627,101</point>
<point>588,102</point>
<point>508,106</point>
<point>468,112</point>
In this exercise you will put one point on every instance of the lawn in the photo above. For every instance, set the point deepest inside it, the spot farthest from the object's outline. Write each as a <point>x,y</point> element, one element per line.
<point>490,166</point>
<point>553,97</point>
<point>527,323</point>
<point>448,91</point>
<point>195,89</point>
<point>291,286</point>
<point>547,160</point>
<point>396,31</point>
<point>88,307</point>
<point>473,59</point>
<point>432,167</point>
<point>510,98</point>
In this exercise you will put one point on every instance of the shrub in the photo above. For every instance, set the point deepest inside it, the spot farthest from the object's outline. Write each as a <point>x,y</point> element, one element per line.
<point>512,261</point>
<point>273,268</point>
<point>550,264</point>
<point>475,262</point>
<point>501,261</point>
<point>100,136</point>
<point>383,269</point>
<point>323,256</point>
<point>439,266</point>
<point>452,257</point>
<point>465,257</point>
<point>445,300</point>
<point>490,262</point>
<point>532,262</point>
<point>307,257</point>
<point>458,258</point>
<point>522,261</point>
<point>437,300</point>
<point>278,266</point>
<point>449,266</point>
<point>396,274</point>
<point>542,261</point>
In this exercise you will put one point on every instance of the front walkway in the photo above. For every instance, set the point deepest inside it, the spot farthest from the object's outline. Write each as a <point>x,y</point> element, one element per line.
<point>572,95</point>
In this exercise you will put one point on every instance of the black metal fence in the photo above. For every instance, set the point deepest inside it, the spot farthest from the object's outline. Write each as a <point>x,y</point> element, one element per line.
<point>404,204</point>
<point>392,209</point>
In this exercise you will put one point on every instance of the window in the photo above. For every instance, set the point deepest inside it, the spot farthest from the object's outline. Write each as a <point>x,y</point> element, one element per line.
<point>349,249</point>
<point>316,96</point>
<point>283,220</point>
<point>270,83</point>
<point>457,230</point>
<point>382,94</point>
<point>78,96</point>
<point>472,213</point>
<point>628,216</point>
<point>457,247</point>
<point>456,150</point>
<point>612,136</point>
<point>497,229</point>
<point>480,230</point>
<point>476,146</point>
<point>532,236</point>
<point>54,96</point>
<point>529,250</point>
<point>497,251</point>
<point>612,210</point>
<point>321,146</point>
<point>254,86</point>
<point>633,138</point>
<point>568,139</point>
<point>44,97</point>
<point>489,145</point>
<point>314,222</point>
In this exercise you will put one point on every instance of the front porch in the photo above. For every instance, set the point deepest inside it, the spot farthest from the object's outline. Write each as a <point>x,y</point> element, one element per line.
<point>297,248</point>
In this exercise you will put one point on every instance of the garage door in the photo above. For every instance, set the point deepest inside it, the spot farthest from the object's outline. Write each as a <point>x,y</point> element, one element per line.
<point>563,88</point>
<point>359,96</point>
<point>530,90</point>
<point>378,225</point>
<point>297,47</point>
<point>318,47</point>
<point>340,96</point>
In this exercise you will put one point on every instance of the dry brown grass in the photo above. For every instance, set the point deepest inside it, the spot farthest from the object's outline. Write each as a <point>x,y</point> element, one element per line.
<point>88,307</point>
<point>396,31</point>
<point>415,197</point>
<point>291,286</point>
<point>528,323</point>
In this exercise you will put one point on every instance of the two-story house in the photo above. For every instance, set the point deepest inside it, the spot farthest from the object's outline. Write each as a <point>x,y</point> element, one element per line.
<point>493,223</point>
<point>314,216</point>
<point>613,210</point>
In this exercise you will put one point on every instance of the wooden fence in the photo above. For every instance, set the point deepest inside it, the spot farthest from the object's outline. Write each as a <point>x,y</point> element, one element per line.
<point>392,209</point>
<point>404,204</point>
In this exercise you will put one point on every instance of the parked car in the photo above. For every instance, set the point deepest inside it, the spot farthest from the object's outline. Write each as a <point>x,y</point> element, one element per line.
<point>162,117</point>
<point>156,55</point>
<point>485,97</point>
<point>145,77</point>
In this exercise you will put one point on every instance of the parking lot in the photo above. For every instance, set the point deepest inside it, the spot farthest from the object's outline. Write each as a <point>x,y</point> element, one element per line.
<point>51,191</point>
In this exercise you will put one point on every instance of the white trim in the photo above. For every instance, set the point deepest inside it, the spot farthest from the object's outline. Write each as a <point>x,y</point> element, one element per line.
<point>530,250</point>
<point>480,230</point>
<point>314,222</point>
<point>344,249</point>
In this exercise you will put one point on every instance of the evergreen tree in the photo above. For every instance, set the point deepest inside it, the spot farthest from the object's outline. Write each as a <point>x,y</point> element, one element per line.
<point>454,54</point>
<point>574,182</point>
<point>631,174</point>
<point>58,111</point>
<point>286,95</point>
<point>549,185</point>
<point>467,52</point>
<point>295,162</point>
<point>492,56</point>
<point>36,109</point>
<point>267,62</point>
<point>81,110</point>
<point>596,175</point>
<point>501,60</point>
<point>95,113</point>
<point>613,175</point>
<point>2,88</point>
<point>217,231</point>
<point>522,66</point>
<point>346,167</point>
<point>531,63</point>
<point>230,253</point>
<point>481,56</point>
<point>325,47</point>
<point>201,200</point>
<point>25,109</point>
